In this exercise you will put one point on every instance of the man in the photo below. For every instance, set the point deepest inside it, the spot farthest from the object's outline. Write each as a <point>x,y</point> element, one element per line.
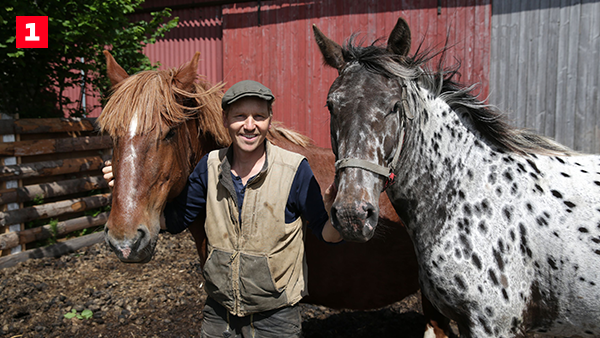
<point>256,199</point>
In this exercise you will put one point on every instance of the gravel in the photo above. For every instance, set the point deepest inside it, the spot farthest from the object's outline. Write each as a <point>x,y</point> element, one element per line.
<point>163,298</point>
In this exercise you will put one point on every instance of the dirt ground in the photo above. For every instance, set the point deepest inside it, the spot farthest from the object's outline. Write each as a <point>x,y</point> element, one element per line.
<point>163,298</point>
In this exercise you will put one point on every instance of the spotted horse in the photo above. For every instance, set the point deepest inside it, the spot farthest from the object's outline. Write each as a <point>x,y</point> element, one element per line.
<point>505,223</point>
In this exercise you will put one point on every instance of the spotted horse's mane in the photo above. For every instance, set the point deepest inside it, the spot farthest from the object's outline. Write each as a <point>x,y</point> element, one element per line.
<point>489,121</point>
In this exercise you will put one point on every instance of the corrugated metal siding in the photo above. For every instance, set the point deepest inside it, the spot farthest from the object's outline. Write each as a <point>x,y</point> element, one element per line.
<point>545,68</point>
<point>199,29</point>
<point>280,51</point>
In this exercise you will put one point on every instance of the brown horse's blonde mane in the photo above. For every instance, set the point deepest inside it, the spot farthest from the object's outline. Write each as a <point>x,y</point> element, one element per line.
<point>278,132</point>
<point>151,96</point>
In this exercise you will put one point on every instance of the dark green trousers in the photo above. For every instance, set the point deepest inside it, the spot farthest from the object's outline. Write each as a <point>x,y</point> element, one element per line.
<point>279,323</point>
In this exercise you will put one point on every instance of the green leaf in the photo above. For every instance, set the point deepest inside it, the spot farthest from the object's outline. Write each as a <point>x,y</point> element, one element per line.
<point>15,55</point>
<point>87,314</point>
<point>71,314</point>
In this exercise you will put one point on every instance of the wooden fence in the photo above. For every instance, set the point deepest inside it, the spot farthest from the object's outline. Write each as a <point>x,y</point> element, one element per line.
<point>51,180</point>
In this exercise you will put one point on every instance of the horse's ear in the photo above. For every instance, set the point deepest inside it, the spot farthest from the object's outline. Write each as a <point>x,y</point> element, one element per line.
<point>332,52</point>
<point>399,40</point>
<point>187,74</point>
<point>115,72</point>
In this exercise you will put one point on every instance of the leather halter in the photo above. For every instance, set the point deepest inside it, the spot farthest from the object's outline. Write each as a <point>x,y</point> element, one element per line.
<point>385,171</point>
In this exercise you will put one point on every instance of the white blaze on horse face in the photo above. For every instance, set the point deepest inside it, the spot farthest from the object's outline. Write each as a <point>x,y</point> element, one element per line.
<point>129,163</point>
<point>133,125</point>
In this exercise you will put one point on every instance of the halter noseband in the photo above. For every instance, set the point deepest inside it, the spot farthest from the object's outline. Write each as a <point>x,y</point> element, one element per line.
<point>387,172</point>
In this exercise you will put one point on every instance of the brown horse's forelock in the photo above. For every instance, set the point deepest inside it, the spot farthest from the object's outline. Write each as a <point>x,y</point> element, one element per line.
<point>487,119</point>
<point>154,98</point>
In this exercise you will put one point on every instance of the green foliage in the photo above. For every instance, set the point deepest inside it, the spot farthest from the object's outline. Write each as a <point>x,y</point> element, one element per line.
<point>33,80</point>
<point>85,314</point>
<point>54,229</point>
<point>38,199</point>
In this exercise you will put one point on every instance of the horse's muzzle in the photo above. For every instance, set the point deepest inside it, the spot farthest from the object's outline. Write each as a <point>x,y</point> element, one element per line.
<point>356,221</point>
<point>138,249</point>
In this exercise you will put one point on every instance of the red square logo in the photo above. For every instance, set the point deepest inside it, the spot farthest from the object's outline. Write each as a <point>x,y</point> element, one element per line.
<point>32,32</point>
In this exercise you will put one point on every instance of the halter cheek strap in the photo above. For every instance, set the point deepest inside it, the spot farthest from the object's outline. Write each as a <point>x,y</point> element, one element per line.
<point>387,172</point>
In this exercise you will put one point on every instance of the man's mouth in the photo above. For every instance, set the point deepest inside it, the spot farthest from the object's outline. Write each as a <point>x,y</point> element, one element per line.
<point>249,136</point>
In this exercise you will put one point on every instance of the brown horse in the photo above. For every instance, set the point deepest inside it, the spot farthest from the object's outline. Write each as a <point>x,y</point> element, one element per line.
<point>163,122</point>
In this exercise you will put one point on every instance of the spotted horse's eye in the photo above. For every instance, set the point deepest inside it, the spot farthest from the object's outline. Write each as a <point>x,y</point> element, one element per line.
<point>396,109</point>
<point>329,107</point>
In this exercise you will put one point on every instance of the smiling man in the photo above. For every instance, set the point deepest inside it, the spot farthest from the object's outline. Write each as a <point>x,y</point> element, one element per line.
<point>256,201</point>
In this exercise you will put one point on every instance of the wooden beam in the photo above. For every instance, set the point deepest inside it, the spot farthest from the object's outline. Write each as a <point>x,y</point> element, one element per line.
<point>51,168</point>
<point>52,189</point>
<point>12,239</point>
<point>49,125</point>
<point>55,250</point>
<point>54,209</point>
<point>51,146</point>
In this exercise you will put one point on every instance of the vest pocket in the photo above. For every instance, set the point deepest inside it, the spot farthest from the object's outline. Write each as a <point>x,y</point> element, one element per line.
<point>217,275</point>
<point>257,285</point>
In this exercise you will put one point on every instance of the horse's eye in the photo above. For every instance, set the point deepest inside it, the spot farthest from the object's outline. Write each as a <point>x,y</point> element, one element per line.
<point>395,110</point>
<point>170,134</point>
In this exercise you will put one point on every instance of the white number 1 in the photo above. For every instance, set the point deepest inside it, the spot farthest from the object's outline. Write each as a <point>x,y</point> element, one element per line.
<point>31,37</point>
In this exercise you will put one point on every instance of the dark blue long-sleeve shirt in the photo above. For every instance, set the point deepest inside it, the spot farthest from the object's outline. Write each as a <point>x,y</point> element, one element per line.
<point>305,200</point>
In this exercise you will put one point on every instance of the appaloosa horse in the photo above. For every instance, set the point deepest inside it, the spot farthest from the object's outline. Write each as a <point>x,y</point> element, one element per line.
<point>163,122</point>
<point>505,223</point>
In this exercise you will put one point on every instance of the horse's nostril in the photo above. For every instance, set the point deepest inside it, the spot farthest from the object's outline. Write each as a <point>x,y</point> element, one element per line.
<point>370,212</point>
<point>333,214</point>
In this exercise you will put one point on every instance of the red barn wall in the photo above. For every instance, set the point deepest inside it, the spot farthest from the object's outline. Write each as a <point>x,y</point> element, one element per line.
<point>277,46</point>
<point>278,49</point>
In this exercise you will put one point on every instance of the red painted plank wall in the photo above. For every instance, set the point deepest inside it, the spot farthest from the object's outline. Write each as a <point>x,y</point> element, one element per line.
<point>278,50</point>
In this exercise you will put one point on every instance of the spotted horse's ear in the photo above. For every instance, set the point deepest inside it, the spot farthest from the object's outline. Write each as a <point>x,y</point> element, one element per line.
<point>399,40</point>
<point>332,52</point>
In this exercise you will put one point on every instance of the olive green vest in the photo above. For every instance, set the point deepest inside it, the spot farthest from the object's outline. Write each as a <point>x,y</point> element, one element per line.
<point>258,265</point>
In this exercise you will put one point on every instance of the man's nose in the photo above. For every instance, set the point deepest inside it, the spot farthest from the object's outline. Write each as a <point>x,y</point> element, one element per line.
<point>249,123</point>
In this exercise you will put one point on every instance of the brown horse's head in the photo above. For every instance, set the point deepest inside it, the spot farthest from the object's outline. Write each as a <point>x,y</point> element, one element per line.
<point>161,123</point>
<point>363,102</point>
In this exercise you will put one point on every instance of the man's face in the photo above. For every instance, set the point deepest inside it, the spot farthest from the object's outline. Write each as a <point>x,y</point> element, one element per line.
<point>248,121</point>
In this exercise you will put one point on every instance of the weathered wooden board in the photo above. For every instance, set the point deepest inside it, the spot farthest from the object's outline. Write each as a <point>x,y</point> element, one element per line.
<point>54,209</point>
<point>53,146</point>
<point>52,189</point>
<point>50,168</point>
<point>55,250</point>
<point>12,239</point>
<point>50,125</point>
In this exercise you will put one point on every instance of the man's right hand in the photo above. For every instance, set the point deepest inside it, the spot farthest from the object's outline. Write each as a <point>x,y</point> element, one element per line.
<point>108,174</point>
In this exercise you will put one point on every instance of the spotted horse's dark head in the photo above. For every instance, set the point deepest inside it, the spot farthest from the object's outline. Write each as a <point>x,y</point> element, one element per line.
<point>367,98</point>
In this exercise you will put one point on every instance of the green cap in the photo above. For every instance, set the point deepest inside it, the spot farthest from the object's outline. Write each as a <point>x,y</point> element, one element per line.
<point>246,88</point>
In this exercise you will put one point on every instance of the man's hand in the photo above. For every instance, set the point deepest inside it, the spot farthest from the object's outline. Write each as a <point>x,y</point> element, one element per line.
<point>330,234</point>
<point>108,174</point>
<point>329,197</point>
